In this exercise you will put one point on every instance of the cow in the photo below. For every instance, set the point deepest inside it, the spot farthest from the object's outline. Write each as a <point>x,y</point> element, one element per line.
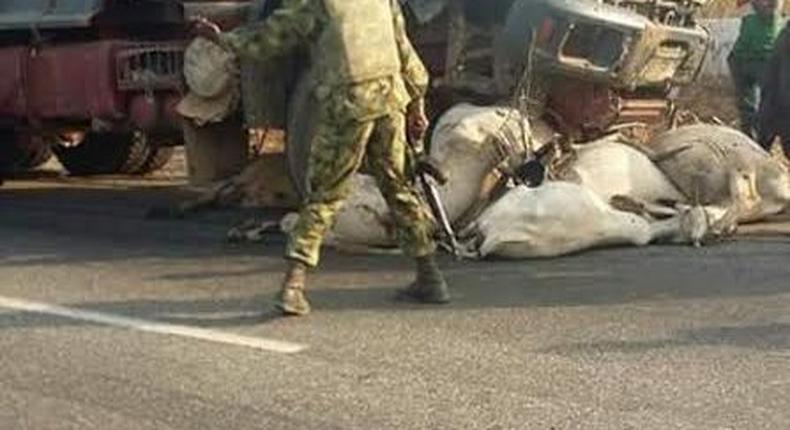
<point>560,218</point>
<point>469,142</point>
<point>610,166</point>
<point>612,192</point>
<point>703,160</point>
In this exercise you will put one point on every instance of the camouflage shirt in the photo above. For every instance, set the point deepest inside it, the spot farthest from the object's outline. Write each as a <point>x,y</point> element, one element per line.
<point>298,23</point>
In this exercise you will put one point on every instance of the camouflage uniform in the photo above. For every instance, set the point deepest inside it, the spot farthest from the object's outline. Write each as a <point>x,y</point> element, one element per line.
<point>357,118</point>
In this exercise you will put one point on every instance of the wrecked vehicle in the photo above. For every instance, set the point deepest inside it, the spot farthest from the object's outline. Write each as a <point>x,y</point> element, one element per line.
<point>594,64</point>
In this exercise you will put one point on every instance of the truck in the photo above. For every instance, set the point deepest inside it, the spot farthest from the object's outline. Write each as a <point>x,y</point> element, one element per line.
<point>95,82</point>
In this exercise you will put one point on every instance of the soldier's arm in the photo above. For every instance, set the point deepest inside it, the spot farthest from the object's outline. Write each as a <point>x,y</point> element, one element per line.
<point>413,70</point>
<point>287,27</point>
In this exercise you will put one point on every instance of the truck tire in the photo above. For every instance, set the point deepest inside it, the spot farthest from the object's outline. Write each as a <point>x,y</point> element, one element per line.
<point>104,153</point>
<point>19,153</point>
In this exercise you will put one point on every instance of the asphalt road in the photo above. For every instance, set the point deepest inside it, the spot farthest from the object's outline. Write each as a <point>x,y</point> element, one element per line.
<point>110,321</point>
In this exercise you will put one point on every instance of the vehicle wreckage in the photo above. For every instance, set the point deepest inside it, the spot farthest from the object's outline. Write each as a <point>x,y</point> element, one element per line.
<point>580,70</point>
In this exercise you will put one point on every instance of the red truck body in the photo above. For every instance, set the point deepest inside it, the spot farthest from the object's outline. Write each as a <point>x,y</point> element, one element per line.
<point>74,81</point>
<point>95,81</point>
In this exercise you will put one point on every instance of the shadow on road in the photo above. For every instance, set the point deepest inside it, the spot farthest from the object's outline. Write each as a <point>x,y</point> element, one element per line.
<point>107,226</point>
<point>367,283</point>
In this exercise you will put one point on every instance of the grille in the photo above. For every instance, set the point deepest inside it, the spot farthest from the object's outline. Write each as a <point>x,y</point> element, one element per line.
<point>150,66</point>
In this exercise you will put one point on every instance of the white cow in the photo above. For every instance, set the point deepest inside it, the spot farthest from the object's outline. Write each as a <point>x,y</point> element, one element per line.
<point>609,168</point>
<point>705,160</point>
<point>560,218</point>
<point>364,220</point>
<point>469,142</point>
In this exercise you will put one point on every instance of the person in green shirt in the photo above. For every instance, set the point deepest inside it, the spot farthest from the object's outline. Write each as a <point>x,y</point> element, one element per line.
<point>749,56</point>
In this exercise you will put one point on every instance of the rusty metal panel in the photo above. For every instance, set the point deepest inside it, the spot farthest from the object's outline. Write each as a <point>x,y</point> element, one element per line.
<point>24,14</point>
<point>13,102</point>
<point>75,81</point>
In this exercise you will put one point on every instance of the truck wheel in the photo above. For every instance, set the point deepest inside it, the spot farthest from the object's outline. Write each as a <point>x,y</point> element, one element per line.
<point>19,152</point>
<point>104,153</point>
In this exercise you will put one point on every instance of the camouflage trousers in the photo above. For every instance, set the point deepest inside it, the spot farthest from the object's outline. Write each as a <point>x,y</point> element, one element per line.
<point>337,152</point>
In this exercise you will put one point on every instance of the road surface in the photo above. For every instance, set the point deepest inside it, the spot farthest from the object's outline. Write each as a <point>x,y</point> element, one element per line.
<point>110,321</point>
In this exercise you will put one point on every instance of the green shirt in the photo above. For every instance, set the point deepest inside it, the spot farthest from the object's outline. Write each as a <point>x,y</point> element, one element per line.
<point>757,36</point>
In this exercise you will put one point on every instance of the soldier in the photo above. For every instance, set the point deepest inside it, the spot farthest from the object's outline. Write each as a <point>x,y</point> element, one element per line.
<point>369,87</point>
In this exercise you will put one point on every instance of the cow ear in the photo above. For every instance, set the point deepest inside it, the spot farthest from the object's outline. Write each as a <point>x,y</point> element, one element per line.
<point>628,204</point>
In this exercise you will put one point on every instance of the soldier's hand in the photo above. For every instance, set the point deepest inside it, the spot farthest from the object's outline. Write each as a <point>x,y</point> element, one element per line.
<point>416,120</point>
<point>427,165</point>
<point>202,27</point>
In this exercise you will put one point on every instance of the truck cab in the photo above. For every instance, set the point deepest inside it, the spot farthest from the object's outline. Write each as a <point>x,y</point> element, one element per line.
<point>92,81</point>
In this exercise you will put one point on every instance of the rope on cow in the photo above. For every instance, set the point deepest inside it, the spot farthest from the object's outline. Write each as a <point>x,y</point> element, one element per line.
<point>518,103</point>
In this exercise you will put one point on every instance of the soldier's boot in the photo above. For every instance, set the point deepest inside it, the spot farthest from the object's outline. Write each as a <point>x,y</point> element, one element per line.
<point>430,286</point>
<point>291,300</point>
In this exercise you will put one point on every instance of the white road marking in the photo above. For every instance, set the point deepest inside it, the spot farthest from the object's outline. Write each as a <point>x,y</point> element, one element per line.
<point>152,327</point>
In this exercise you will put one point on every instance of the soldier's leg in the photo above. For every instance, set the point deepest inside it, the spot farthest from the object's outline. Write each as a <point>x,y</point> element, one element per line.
<point>387,157</point>
<point>336,154</point>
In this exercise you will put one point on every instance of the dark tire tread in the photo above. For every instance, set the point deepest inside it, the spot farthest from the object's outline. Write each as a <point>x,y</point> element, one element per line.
<point>104,153</point>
